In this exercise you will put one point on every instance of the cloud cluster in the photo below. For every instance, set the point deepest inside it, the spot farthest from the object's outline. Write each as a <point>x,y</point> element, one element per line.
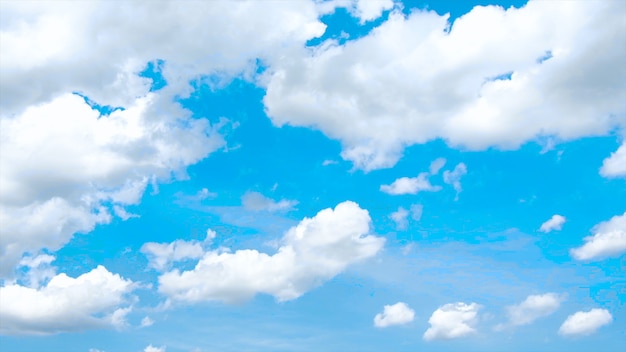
<point>312,252</point>
<point>608,240</point>
<point>92,300</point>
<point>451,321</point>
<point>395,314</point>
<point>477,83</point>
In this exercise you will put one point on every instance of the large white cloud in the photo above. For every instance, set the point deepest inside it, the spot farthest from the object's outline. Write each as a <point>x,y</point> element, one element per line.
<point>312,252</point>
<point>615,164</point>
<point>533,308</point>
<point>417,78</point>
<point>608,240</point>
<point>451,321</point>
<point>394,314</point>
<point>585,323</point>
<point>92,300</point>
<point>60,160</point>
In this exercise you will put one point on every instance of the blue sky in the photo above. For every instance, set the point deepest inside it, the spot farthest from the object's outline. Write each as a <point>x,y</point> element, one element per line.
<point>350,175</point>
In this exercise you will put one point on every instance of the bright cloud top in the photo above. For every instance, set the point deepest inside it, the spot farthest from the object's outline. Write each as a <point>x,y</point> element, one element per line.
<point>451,321</point>
<point>615,165</point>
<point>91,300</point>
<point>477,83</point>
<point>395,314</point>
<point>410,185</point>
<point>554,223</point>
<point>533,308</point>
<point>585,323</point>
<point>312,252</point>
<point>608,240</point>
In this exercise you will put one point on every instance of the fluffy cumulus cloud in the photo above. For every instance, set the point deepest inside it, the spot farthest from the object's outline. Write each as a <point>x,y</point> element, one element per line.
<point>92,300</point>
<point>554,223</point>
<point>258,202</point>
<point>476,83</point>
<point>615,164</point>
<point>395,314</point>
<point>608,240</point>
<point>451,321</point>
<point>162,255</point>
<point>533,308</point>
<point>62,160</point>
<point>454,177</point>
<point>585,323</point>
<point>312,252</point>
<point>410,185</point>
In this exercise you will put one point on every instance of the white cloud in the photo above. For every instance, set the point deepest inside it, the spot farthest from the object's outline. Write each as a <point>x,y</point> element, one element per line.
<point>312,252</point>
<point>454,177</point>
<point>61,161</point>
<point>146,321</point>
<point>39,269</point>
<point>400,218</point>
<point>436,165</point>
<point>91,300</point>
<point>407,185</point>
<point>554,223</point>
<point>151,348</point>
<point>416,211</point>
<point>257,202</point>
<point>585,323</point>
<point>451,321</point>
<point>615,165</point>
<point>367,10</point>
<point>417,78</point>
<point>608,240</point>
<point>533,308</point>
<point>162,255</point>
<point>395,314</point>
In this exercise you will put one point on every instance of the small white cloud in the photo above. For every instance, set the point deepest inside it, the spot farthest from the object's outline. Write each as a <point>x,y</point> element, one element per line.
<point>454,177</point>
<point>151,348</point>
<point>407,185</point>
<point>329,162</point>
<point>162,255</point>
<point>554,223</point>
<point>95,350</point>
<point>396,314</point>
<point>146,321</point>
<point>210,235</point>
<point>451,321</point>
<point>416,211</point>
<point>257,202</point>
<point>121,212</point>
<point>436,165</point>
<point>585,323</point>
<point>615,165</point>
<point>533,308</point>
<point>400,218</point>
<point>608,240</point>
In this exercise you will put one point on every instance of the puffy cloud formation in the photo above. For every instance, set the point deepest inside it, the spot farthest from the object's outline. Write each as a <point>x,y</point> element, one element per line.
<point>257,202</point>
<point>585,323</point>
<point>410,185</point>
<point>395,314</point>
<point>91,300</point>
<point>64,165</point>
<point>615,165</point>
<point>454,177</point>
<point>533,308</point>
<point>477,83</point>
<point>162,255</point>
<point>608,240</point>
<point>554,223</point>
<point>451,321</point>
<point>312,252</point>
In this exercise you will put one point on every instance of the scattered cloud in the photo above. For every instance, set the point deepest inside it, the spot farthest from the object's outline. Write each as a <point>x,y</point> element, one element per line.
<point>585,323</point>
<point>615,165</point>
<point>400,218</point>
<point>608,240</point>
<point>312,252</point>
<point>92,300</point>
<point>500,79</point>
<point>329,162</point>
<point>554,223</point>
<point>395,314</point>
<point>162,255</point>
<point>454,177</point>
<point>416,211</point>
<point>533,308</point>
<point>414,185</point>
<point>436,165</point>
<point>146,321</point>
<point>151,348</point>
<point>451,321</point>
<point>255,201</point>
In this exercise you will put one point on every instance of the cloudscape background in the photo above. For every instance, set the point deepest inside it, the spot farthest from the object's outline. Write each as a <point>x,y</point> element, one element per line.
<point>342,175</point>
